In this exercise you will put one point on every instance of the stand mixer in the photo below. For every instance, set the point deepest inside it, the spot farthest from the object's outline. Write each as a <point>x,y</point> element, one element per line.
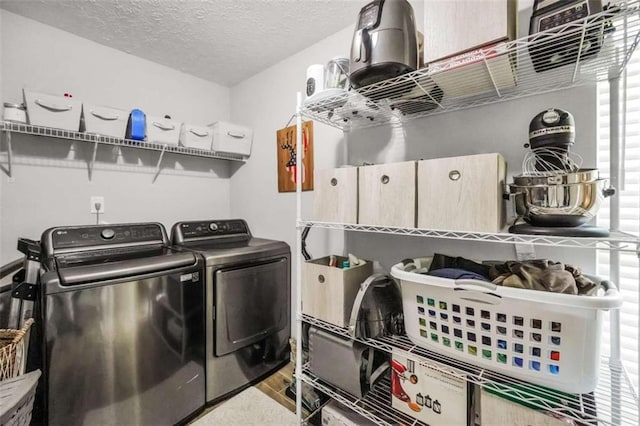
<point>554,195</point>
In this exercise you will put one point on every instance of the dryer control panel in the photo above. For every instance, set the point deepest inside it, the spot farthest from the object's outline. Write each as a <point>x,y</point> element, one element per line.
<point>213,228</point>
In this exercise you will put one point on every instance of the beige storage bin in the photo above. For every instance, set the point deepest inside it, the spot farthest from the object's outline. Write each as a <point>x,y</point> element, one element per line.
<point>387,194</point>
<point>52,111</point>
<point>163,130</point>
<point>199,137</point>
<point>328,292</point>
<point>232,138</point>
<point>462,193</point>
<point>336,195</point>
<point>104,120</point>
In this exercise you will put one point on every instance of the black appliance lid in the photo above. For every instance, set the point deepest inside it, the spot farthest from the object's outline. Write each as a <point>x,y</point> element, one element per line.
<point>116,263</point>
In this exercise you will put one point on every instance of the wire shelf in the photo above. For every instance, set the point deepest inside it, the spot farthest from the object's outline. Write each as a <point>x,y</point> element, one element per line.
<point>617,241</point>
<point>614,402</point>
<point>581,52</point>
<point>109,140</point>
<point>374,406</point>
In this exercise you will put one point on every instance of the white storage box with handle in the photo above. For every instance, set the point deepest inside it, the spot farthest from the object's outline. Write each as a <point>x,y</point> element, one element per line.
<point>52,111</point>
<point>545,338</point>
<point>199,137</point>
<point>232,138</point>
<point>163,130</point>
<point>104,121</point>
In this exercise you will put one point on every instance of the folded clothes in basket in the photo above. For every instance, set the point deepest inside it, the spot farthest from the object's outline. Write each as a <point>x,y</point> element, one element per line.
<point>541,275</point>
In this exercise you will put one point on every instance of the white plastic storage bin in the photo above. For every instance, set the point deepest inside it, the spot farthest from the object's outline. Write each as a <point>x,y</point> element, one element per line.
<point>52,111</point>
<point>199,137</point>
<point>462,193</point>
<point>336,195</point>
<point>387,194</point>
<point>545,338</point>
<point>232,138</point>
<point>163,130</point>
<point>104,121</point>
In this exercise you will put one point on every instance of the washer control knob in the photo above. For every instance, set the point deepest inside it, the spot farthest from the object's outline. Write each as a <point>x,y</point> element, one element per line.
<point>213,226</point>
<point>108,233</point>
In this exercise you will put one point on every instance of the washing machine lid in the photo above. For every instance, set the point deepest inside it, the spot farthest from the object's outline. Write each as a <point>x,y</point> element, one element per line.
<point>218,253</point>
<point>225,241</point>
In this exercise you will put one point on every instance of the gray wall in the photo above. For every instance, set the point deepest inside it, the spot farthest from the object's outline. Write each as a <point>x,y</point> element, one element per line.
<point>50,184</point>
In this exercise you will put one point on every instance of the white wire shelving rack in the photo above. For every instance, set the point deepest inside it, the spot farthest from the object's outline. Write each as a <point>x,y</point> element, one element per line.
<point>375,406</point>
<point>10,128</point>
<point>494,74</point>
<point>598,408</point>
<point>501,73</point>
<point>617,241</point>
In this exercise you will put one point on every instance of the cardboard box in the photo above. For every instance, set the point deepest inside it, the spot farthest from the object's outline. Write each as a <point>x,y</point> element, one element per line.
<point>429,393</point>
<point>476,72</point>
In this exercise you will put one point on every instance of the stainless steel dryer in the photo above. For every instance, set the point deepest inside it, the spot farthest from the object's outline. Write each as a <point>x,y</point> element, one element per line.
<point>123,320</point>
<point>248,287</point>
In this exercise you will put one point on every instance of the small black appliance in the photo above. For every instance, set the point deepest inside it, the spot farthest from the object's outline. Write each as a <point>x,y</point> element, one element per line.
<point>566,44</point>
<point>385,42</point>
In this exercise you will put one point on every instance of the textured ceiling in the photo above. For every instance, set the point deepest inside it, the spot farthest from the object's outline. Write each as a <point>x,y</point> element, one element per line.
<point>224,41</point>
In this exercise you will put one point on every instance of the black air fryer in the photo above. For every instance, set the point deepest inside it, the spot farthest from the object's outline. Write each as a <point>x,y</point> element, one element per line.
<point>553,129</point>
<point>392,25</point>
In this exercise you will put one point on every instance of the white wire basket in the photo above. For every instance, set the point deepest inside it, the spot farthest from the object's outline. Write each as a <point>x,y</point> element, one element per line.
<point>545,338</point>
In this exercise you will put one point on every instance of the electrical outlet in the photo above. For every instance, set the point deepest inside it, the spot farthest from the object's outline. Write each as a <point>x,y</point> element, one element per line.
<point>96,199</point>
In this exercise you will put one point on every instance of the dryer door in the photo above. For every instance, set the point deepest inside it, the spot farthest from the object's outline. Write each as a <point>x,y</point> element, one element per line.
<point>251,303</point>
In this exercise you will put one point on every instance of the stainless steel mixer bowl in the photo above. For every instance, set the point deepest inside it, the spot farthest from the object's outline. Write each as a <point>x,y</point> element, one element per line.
<point>572,204</point>
<point>580,176</point>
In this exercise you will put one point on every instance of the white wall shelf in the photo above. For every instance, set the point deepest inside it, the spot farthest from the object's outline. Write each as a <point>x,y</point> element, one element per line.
<point>492,75</point>
<point>600,409</point>
<point>26,129</point>
<point>617,241</point>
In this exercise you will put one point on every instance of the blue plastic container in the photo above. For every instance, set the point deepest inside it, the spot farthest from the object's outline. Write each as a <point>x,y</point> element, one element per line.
<point>136,126</point>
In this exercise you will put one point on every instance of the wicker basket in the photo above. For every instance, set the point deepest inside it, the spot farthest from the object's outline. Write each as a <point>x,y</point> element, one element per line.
<point>13,350</point>
<point>16,399</point>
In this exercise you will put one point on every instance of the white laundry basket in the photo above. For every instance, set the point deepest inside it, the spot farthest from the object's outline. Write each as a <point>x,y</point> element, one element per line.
<point>545,338</point>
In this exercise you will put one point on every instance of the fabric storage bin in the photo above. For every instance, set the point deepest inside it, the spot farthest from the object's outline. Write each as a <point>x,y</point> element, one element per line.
<point>336,195</point>
<point>104,121</point>
<point>328,292</point>
<point>462,193</point>
<point>199,137</point>
<point>52,111</point>
<point>232,138</point>
<point>387,194</point>
<point>545,338</point>
<point>163,130</point>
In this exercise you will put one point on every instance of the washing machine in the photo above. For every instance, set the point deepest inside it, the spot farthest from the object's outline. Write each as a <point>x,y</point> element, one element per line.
<point>122,319</point>
<point>247,302</point>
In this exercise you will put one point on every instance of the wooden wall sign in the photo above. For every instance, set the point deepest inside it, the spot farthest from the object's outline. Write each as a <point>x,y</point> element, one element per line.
<point>287,163</point>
